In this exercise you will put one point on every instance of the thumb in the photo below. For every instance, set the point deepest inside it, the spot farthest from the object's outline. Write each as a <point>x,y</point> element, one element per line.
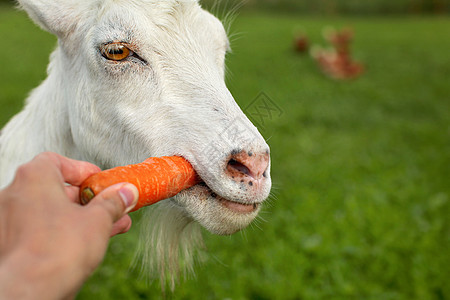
<point>117,200</point>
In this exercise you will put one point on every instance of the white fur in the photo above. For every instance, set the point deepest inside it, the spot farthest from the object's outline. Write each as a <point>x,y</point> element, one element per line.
<point>170,101</point>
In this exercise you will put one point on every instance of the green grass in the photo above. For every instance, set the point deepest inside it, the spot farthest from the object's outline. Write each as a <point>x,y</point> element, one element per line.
<point>360,168</point>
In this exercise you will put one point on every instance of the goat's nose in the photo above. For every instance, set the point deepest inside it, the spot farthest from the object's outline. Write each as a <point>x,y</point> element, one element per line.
<point>248,167</point>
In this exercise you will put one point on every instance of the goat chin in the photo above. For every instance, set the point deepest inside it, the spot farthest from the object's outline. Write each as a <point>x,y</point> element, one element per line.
<point>169,242</point>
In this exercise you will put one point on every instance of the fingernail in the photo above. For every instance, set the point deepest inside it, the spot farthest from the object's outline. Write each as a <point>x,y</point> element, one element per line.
<point>129,196</point>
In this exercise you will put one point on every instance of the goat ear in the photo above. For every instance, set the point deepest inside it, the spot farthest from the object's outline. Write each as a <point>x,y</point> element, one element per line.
<point>59,17</point>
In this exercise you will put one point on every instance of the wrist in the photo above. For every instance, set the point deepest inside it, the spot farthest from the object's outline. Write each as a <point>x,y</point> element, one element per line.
<point>23,276</point>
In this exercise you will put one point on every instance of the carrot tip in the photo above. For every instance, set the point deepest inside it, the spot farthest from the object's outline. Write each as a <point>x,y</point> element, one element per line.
<point>86,196</point>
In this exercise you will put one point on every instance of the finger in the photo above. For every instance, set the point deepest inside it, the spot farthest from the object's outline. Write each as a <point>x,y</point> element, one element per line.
<point>40,175</point>
<point>116,200</point>
<point>73,193</point>
<point>73,171</point>
<point>121,226</point>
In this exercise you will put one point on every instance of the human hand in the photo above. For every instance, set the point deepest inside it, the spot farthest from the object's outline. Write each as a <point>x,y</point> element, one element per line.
<point>49,243</point>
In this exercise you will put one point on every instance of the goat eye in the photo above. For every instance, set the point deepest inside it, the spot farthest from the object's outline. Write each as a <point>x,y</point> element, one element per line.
<point>115,51</point>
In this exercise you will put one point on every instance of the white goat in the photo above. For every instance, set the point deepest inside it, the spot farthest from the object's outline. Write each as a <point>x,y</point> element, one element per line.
<point>132,79</point>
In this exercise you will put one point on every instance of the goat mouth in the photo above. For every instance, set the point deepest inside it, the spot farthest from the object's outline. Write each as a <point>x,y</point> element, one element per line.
<point>238,207</point>
<point>234,206</point>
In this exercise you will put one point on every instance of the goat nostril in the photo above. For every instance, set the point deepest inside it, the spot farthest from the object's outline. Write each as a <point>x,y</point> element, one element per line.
<point>248,166</point>
<point>241,168</point>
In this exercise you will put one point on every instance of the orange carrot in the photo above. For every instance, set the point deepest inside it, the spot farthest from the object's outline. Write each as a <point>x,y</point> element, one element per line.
<point>157,178</point>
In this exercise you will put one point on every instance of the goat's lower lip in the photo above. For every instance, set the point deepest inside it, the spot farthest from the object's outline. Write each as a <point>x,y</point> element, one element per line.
<point>237,207</point>
<point>234,206</point>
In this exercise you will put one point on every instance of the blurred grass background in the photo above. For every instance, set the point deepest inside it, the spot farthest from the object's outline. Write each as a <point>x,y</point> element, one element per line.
<point>360,168</point>
<point>370,7</point>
